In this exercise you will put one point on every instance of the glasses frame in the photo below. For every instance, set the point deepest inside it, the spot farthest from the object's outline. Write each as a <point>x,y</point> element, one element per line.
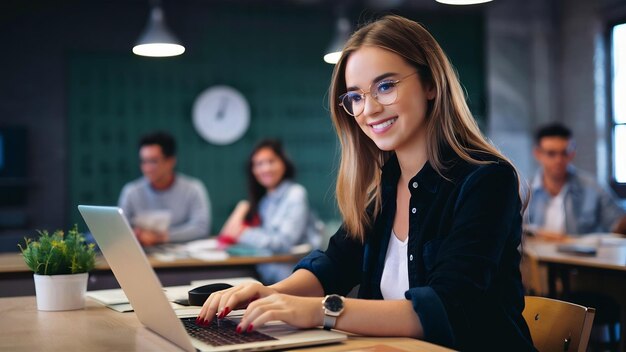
<point>553,154</point>
<point>373,95</point>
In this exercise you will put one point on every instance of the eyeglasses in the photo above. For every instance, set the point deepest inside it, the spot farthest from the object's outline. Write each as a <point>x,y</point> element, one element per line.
<point>554,153</point>
<point>150,161</point>
<point>385,92</point>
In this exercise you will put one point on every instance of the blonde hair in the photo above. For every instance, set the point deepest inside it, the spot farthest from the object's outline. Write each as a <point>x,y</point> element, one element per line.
<point>449,122</point>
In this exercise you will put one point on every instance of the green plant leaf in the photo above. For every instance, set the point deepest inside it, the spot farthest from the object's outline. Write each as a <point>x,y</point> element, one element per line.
<point>59,254</point>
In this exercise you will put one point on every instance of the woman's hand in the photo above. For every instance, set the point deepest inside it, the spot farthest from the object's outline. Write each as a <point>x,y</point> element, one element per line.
<point>225,301</point>
<point>301,312</point>
<point>234,225</point>
<point>149,238</point>
<point>551,235</point>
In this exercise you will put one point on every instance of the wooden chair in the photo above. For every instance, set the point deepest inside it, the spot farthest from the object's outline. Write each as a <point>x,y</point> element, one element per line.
<point>557,325</point>
<point>534,277</point>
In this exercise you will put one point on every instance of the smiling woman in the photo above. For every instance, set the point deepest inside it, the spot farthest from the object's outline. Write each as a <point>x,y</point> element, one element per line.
<point>432,213</point>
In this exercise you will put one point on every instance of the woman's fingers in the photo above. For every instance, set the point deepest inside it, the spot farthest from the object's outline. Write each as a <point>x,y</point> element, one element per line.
<point>238,299</point>
<point>215,304</point>
<point>223,302</point>
<point>300,312</point>
<point>209,308</point>
<point>259,315</point>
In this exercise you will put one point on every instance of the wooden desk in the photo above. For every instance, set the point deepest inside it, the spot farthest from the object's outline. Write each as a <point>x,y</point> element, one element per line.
<point>96,328</point>
<point>16,279</point>
<point>603,273</point>
<point>546,252</point>
<point>609,261</point>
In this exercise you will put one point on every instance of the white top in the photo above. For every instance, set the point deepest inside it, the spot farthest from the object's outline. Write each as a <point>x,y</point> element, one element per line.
<point>395,280</point>
<point>555,212</point>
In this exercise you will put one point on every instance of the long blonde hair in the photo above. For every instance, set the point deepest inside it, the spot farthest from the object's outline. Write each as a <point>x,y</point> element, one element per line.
<point>449,122</point>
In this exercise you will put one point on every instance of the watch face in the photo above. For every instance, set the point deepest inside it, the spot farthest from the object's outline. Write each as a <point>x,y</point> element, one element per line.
<point>333,303</point>
<point>221,115</point>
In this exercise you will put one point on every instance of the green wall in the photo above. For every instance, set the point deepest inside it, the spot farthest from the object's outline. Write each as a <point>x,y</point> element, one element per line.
<point>273,57</point>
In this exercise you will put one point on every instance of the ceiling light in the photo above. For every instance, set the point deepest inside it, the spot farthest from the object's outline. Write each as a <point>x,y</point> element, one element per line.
<point>157,40</point>
<point>333,53</point>
<point>462,2</point>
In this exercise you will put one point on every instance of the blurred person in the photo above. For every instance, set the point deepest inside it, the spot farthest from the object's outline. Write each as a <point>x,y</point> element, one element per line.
<point>276,216</point>
<point>162,193</point>
<point>566,200</point>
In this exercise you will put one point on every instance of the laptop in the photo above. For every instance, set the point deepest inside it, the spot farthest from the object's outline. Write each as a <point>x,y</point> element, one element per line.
<point>139,282</point>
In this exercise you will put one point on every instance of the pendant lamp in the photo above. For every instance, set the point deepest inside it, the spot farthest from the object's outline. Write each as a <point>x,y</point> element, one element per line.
<point>157,40</point>
<point>342,34</point>
<point>462,2</point>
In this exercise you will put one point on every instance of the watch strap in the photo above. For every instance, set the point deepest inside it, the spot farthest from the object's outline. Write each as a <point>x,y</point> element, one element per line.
<point>329,321</point>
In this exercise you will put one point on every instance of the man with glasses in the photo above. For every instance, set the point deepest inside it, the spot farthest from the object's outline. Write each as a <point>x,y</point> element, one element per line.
<point>164,206</point>
<point>565,200</point>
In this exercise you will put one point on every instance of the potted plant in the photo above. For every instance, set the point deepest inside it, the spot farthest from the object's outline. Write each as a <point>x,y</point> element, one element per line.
<point>60,263</point>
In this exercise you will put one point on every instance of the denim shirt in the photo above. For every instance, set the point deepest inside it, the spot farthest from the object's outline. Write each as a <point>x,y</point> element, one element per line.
<point>588,207</point>
<point>463,258</point>
<point>286,221</point>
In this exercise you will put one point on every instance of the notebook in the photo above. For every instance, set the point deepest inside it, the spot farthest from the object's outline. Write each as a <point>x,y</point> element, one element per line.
<point>139,282</point>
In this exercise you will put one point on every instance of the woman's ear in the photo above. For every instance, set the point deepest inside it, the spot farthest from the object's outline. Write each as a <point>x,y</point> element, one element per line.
<point>430,92</point>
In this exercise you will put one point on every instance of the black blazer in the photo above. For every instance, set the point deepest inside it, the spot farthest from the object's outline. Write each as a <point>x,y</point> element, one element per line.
<point>463,256</point>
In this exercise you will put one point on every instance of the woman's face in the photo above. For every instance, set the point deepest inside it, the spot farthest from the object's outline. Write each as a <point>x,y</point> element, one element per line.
<point>267,168</point>
<point>399,125</point>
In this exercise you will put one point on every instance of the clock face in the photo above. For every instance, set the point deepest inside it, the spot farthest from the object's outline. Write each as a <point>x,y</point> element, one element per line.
<point>221,115</point>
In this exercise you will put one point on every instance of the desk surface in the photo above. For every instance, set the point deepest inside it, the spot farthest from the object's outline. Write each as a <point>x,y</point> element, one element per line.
<point>607,257</point>
<point>14,263</point>
<point>16,279</point>
<point>96,328</point>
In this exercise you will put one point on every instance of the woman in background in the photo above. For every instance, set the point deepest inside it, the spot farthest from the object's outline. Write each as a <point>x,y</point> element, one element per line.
<point>431,211</point>
<point>276,217</point>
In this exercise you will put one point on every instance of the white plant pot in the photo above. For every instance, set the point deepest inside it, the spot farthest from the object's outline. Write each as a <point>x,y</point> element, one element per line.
<point>61,292</point>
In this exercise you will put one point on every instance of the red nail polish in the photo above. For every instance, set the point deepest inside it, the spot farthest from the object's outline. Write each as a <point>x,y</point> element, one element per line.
<point>238,330</point>
<point>226,311</point>
<point>250,327</point>
<point>221,315</point>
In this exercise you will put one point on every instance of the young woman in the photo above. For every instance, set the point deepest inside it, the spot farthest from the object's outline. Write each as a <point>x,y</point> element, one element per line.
<point>432,212</point>
<point>276,216</point>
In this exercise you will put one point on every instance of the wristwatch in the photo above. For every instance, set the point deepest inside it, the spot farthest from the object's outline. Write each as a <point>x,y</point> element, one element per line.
<point>333,307</point>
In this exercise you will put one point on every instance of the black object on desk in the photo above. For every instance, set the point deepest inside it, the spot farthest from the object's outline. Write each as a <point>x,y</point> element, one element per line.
<point>577,249</point>
<point>198,295</point>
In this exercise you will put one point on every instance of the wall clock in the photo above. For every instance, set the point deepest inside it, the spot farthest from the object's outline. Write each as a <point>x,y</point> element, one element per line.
<point>221,115</point>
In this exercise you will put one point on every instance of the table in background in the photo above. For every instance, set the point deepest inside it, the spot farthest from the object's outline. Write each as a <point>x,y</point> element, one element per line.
<point>97,328</point>
<point>603,273</point>
<point>16,279</point>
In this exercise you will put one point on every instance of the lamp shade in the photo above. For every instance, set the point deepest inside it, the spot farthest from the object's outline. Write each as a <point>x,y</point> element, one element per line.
<point>333,53</point>
<point>462,2</point>
<point>157,40</point>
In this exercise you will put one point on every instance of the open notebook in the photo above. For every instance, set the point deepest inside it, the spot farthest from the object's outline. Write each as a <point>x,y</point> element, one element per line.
<point>132,270</point>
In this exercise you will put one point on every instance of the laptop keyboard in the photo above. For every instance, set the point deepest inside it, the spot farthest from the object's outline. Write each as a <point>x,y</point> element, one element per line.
<point>221,332</point>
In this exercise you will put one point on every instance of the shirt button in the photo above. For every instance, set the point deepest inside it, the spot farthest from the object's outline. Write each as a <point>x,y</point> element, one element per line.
<point>411,257</point>
<point>415,184</point>
<point>413,210</point>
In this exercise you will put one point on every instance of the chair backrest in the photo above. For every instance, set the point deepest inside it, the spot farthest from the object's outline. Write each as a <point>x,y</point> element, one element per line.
<point>557,325</point>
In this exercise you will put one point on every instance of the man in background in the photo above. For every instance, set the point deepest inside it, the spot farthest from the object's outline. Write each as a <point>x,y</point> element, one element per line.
<point>565,200</point>
<point>164,206</point>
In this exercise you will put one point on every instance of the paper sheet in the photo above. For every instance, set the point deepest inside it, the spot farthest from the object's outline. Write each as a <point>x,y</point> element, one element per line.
<point>154,220</point>
<point>116,299</point>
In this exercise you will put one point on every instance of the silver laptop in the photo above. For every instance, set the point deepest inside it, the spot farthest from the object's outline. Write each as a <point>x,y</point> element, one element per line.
<point>130,266</point>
